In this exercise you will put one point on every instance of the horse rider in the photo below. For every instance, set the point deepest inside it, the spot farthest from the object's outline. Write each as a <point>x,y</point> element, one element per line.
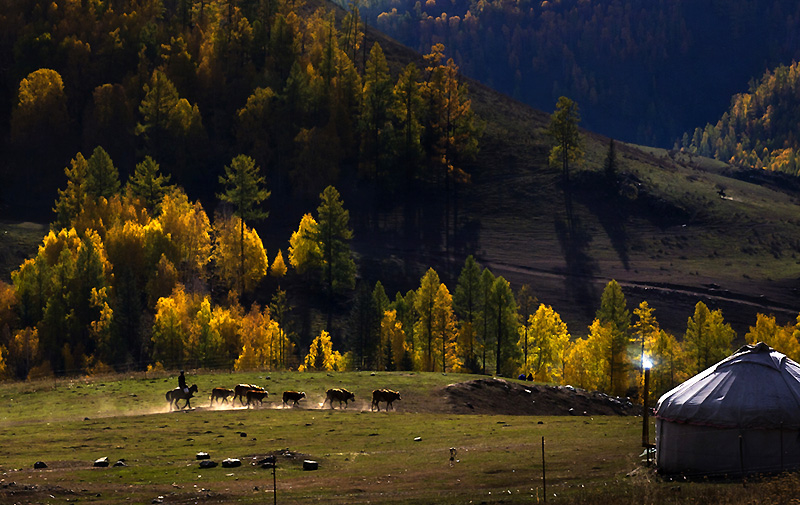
<point>182,383</point>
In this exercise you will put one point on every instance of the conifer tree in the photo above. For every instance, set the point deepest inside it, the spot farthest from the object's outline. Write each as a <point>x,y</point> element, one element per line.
<point>502,316</point>
<point>468,302</point>
<point>333,235</point>
<point>563,130</point>
<point>102,177</point>
<point>148,184</point>
<point>613,312</point>
<point>244,189</point>
<point>424,304</point>
<point>375,115</point>
<point>708,337</point>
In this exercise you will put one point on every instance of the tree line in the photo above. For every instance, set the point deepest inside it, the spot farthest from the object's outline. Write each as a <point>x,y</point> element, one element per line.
<point>759,130</point>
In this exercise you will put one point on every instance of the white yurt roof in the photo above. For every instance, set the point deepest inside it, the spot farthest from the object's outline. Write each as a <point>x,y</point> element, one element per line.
<point>756,387</point>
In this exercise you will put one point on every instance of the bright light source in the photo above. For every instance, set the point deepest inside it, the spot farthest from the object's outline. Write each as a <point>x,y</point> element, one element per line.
<point>646,363</point>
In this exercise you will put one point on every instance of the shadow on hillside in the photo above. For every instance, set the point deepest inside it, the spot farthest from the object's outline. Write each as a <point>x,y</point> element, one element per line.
<point>574,238</point>
<point>611,210</point>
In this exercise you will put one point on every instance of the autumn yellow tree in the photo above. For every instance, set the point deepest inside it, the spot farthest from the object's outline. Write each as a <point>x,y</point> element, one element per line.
<point>304,252</point>
<point>583,369</point>
<point>669,362</point>
<point>189,229</point>
<point>548,339</point>
<point>589,360</point>
<point>780,338</point>
<point>393,338</point>
<point>321,355</point>
<point>227,249</point>
<point>171,327</point>
<point>23,352</point>
<point>260,341</point>
<point>226,323</point>
<point>278,268</point>
<point>424,303</point>
<point>445,331</point>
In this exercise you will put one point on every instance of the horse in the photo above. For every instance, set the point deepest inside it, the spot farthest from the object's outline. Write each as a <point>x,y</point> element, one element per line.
<point>178,394</point>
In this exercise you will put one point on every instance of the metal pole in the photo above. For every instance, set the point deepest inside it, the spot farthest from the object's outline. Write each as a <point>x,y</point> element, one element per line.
<point>646,416</point>
<point>544,479</point>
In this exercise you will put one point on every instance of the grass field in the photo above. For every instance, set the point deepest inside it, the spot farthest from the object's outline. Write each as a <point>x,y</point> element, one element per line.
<point>364,457</point>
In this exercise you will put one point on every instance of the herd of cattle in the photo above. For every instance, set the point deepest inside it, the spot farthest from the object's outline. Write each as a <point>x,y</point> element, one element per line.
<point>250,394</point>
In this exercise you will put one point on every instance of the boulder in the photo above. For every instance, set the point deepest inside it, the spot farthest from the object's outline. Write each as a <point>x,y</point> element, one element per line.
<point>208,464</point>
<point>102,462</point>
<point>40,464</point>
<point>309,464</point>
<point>231,463</point>
<point>203,455</point>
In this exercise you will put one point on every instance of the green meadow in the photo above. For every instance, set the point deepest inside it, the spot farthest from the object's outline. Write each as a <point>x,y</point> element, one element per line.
<point>400,456</point>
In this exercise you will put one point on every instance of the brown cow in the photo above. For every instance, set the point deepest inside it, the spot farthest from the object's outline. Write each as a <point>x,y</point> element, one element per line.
<point>384,395</point>
<point>240,391</point>
<point>256,395</point>
<point>293,396</point>
<point>339,394</point>
<point>220,394</point>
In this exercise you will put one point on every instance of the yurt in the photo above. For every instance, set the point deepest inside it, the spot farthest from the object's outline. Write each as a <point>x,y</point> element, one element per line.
<point>739,417</point>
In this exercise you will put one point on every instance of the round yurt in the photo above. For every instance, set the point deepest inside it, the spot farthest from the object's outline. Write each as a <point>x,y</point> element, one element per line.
<point>738,417</point>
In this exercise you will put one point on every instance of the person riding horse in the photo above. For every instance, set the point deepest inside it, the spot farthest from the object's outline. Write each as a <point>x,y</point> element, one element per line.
<point>182,383</point>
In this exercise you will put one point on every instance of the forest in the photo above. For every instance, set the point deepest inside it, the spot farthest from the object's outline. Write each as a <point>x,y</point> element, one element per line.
<point>157,137</point>
<point>644,71</point>
<point>760,128</point>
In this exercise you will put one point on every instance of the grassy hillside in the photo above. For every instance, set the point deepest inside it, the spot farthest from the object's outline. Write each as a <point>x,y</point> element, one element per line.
<point>364,457</point>
<point>674,243</point>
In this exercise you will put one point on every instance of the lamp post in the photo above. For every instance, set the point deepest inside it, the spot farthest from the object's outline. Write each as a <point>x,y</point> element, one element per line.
<point>646,365</point>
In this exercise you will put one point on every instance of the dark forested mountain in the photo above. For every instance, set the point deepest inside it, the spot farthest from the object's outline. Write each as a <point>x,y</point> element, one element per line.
<point>642,70</point>
<point>760,129</point>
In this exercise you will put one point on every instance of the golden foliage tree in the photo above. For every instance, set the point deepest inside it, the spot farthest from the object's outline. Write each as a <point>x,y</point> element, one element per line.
<point>171,327</point>
<point>548,338</point>
<point>780,338</point>
<point>669,362</point>
<point>321,355</point>
<point>189,231</point>
<point>445,331</point>
<point>304,252</point>
<point>23,352</point>
<point>393,338</point>
<point>278,268</point>
<point>260,341</point>
<point>424,304</point>
<point>227,249</point>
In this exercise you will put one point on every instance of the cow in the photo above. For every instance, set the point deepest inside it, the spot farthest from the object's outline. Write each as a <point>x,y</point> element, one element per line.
<point>384,395</point>
<point>293,396</point>
<point>240,391</point>
<point>340,395</point>
<point>256,395</point>
<point>220,394</point>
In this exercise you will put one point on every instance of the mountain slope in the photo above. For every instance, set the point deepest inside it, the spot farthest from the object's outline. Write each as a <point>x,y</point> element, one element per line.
<point>677,242</point>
